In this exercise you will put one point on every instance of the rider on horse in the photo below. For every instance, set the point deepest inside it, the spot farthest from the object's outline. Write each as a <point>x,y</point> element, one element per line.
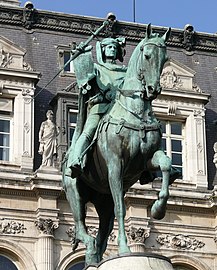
<point>98,84</point>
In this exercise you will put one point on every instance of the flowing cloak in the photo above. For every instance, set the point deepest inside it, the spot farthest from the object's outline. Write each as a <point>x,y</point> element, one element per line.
<point>92,80</point>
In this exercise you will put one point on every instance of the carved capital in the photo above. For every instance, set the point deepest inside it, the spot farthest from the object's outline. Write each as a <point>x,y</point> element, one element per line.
<point>179,241</point>
<point>46,226</point>
<point>137,235</point>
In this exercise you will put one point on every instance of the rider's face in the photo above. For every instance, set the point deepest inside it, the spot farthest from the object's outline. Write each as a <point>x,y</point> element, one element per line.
<point>111,51</point>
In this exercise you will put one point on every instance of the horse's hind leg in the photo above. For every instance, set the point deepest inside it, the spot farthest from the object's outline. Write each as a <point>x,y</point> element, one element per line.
<point>105,210</point>
<point>159,159</point>
<point>77,205</point>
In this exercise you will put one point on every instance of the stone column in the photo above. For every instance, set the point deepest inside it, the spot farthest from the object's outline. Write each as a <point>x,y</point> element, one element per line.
<point>137,237</point>
<point>45,243</point>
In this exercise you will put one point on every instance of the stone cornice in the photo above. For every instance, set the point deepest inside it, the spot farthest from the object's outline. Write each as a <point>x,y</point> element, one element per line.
<point>54,21</point>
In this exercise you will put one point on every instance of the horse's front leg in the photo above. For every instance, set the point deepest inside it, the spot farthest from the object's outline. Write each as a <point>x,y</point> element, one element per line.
<point>116,186</point>
<point>160,160</point>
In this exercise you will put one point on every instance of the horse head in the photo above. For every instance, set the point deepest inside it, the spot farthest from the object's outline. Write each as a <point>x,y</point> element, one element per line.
<point>150,62</point>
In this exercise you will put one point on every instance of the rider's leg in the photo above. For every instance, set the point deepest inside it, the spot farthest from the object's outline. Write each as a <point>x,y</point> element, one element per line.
<point>82,143</point>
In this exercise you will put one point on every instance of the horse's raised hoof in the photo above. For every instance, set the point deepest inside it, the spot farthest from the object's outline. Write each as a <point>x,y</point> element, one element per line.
<point>158,210</point>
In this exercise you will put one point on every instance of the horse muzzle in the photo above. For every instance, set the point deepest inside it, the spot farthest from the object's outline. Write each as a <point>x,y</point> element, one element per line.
<point>152,91</point>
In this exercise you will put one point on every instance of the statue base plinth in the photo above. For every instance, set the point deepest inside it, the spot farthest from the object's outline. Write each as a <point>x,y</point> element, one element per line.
<point>44,171</point>
<point>135,261</point>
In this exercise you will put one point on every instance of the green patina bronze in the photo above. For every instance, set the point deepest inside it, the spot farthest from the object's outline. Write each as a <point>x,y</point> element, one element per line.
<point>117,139</point>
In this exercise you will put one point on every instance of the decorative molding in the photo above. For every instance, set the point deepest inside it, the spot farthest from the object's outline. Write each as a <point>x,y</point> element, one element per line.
<point>46,226</point>
<point>11,227</point>
<point>5,58</point>
<point>28,92</point>
<point>179,241</point>
<point>46,20</point>
<point>170,80</point>
<point>137,235</point>
<point>71,88</point>
<point>91,230</point>
<point>172,107</point>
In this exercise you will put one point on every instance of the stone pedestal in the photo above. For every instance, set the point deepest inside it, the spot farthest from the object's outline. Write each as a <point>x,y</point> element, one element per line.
<point>134,261</point>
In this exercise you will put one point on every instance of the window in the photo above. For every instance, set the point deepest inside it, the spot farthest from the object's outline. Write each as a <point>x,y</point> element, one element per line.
<point>69,67</point>
<point>4,139</point>
<point>6,264</point>
<point>72,119</point>
<point>6,110</point>
<point>173,141</point>
<point>77,266</point>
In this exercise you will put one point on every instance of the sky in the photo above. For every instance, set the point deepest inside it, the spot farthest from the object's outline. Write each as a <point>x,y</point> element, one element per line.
<point>169,13</point>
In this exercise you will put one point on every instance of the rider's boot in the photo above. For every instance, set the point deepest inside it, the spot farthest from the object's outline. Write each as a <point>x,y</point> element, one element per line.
<point>77,164</point>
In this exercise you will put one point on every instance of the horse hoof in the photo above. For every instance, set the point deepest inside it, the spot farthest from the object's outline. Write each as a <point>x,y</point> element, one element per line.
<point>158,212</point>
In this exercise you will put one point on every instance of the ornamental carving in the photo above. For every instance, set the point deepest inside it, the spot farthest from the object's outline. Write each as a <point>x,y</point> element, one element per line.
<point>11,227</point>
<point>71,88</point>
<point>138,235</point>
<point>29,15</point>
<point>46,226</point>
<point>188,38</point>
<point>5,58</point>
<point>170,80</point>
<point>91,230</point>
<point>179,241</point>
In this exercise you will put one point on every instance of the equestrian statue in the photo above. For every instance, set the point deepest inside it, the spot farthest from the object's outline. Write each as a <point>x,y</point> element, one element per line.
<point>117,140</point>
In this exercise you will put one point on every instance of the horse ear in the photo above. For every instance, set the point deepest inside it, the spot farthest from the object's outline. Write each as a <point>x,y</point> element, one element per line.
<point>148,31</point>
<point>167,34</point>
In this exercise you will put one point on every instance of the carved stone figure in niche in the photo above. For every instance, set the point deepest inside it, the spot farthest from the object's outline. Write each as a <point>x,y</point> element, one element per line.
<point>188,37</point>
<point>29,13</point>
<point>48,140</point>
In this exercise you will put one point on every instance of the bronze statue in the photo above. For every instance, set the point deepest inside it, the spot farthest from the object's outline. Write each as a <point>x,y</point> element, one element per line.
<point>127,137</point>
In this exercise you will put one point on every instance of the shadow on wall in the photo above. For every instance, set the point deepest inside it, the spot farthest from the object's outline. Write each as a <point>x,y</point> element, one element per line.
<point>211,138</point>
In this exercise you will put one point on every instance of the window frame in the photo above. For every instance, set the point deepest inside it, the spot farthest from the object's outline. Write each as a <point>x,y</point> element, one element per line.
<point>71,125</point>
<point>168,136</point>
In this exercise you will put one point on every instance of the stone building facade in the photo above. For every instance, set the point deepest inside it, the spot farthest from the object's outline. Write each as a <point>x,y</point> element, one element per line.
<point>36,224</point>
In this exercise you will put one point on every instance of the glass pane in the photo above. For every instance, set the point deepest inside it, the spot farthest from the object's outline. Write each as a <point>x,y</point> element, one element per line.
<point>72,117</point>
<point>6,264</point>
<point>163,144</point>
<point>176,146</point>
<point>71,132</point>
<point>4,154</point>
<point>163,126</point>
<point>78,266</point>
<point>177,159</point>
<point>180,169</point>
<point>66,58</point>
<point>176,128</point>
<point>4,126</point>
<point>4,140</point>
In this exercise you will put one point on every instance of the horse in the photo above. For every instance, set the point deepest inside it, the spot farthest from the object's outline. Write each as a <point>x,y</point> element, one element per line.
<point>128,148</point>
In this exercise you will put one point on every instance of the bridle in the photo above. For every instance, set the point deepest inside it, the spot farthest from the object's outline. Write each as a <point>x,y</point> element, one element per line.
<point>141,71</point>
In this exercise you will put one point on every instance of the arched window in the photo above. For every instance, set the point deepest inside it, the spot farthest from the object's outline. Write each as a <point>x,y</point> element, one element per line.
<point>6,264</point>
<point>183,267</point>
<point>77,266</point>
